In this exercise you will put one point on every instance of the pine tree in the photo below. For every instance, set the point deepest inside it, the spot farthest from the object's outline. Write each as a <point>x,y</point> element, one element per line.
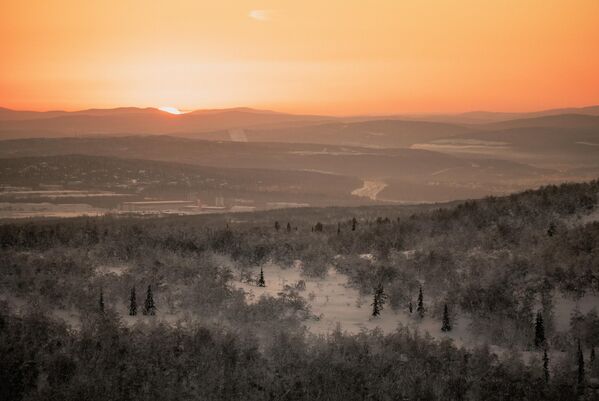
<point>379,300</point>
<point>354,222</point>
<point>318,227</point>
<point>288,227</point>
<point>539,330</point>
<point>420,307</point>
<point>149,307</point>
<point>261,282</point>
<point>545,365</point>
<point>581,373</point>
<point>132,303</point>
<point>338,228</point>
<point>101,301</point>
<point>592,356</point>
<point>446,324</point>
<point>277,225</point>
<point>411,307</point>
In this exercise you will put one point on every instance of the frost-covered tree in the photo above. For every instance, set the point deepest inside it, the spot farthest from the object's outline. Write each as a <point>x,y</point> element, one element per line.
<point>379,299</point>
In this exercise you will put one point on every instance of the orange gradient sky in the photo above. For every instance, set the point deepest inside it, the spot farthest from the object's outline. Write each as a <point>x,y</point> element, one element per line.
<point>328,57</point>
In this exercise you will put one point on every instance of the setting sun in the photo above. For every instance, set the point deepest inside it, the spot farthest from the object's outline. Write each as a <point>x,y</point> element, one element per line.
<point>171,110</point>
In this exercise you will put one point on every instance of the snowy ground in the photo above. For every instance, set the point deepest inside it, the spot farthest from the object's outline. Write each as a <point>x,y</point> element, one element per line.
<point>334,302</point>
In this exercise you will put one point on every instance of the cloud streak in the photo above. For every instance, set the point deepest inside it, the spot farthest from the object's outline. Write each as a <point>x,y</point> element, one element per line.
<point>261,15</point>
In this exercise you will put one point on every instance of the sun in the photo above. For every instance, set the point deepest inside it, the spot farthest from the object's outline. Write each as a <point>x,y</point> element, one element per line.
<point>172,110</point>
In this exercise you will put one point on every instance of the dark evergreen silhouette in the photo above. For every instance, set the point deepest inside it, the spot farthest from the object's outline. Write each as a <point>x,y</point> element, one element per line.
<point>581,373</point>
<point>318,227</point>
<point>149,306</point>
<point>277,225</point>
<point>539,330</point>
<point>592,356</point>
<point>379,300</point>
<point>132,302</point>
<point>338,228</point>
<point>420,307</point>
<point>446,323</point>
<point>545,365</point>
<point>261,282</point>
<point>101,301</point>
<point>411,307</point>
<point>354,223</point>
<point>288,227</point>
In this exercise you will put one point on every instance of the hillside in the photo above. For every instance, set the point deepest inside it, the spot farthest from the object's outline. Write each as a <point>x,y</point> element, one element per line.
<point>130,120</point>
<point>424,174</point>
<point>464,287</point>
<point>107,181</point>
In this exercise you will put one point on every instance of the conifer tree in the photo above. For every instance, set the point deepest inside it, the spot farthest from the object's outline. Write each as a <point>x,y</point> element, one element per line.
<point>446,324</point>
<point>149,307</point>
<point>354,222</point>
<point>539,330</point>
<point>379,300</point>
<point>545,365</point>
<point>581,373</point>
<point>288,227</point>
<point>338,228</point>
<point>411,307</point>
<point>261,282</point>
<point>277,225</point>
<point>101,301</point>
<point>318,227</point>
<point>592,356</point>
<point>132,302</point>
<point>420,307</point>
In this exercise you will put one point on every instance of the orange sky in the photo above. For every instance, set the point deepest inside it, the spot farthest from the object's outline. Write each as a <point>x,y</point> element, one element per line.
<point>329,57</point>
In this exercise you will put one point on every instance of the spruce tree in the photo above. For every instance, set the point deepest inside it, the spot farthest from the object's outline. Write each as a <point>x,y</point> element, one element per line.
<point>149,307</point>
<point>420,307</point>
<point>592,356</point>
<point>338,228</point>
<point>354,222</point>
<point>545,365</point>
<point>277,225</point>
<point>539,330</point>
<point>132,303</point>
<point>101,301</point>
<point>379,300</point>
<point>411,307</point>
<point>261,282</point>
<point>288,227</point>
<point>581,373</point>
<point>446,324</point>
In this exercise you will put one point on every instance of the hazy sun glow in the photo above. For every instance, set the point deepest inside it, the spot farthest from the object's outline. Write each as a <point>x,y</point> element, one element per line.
<point>333,57</point>
<point>172,110</point>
